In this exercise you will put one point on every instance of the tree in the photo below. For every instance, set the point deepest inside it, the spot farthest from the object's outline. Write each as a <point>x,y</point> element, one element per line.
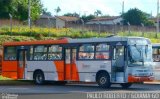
<point>45,12</point>
<point>57,10</point>
<point>19,9</point>
<point>72,14</point>
<point>136,17</point>
<point>5,8</point>
<point>87,18</point>
<point>97,13</point>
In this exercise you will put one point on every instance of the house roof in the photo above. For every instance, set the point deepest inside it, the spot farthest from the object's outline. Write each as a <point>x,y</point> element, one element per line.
<point>43,16</point>
<point>154,19</point>
<point>67,18</point>
<point>105,18</point>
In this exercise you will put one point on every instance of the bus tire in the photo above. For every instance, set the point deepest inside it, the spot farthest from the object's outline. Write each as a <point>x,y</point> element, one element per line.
<point>126,85</point>
<point>39,78</point>
<point>103,80</point>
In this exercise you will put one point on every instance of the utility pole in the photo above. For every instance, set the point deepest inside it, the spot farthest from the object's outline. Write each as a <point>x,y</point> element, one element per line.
<point>10,23</point>
<point>49,26</point>
<point>29,13</point>
<point>122,14</point>
<point>157,18</point>
<point>99,27</point>
<point>123,7</point>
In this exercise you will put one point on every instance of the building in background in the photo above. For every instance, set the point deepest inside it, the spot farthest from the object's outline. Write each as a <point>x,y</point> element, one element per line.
<point>46,21</point>
<point>66,21</point>
<point>154,19</point>
<point>106,21</point>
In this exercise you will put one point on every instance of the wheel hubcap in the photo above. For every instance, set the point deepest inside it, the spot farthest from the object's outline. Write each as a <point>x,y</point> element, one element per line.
<point>39,78</point>
<point>103,80</point>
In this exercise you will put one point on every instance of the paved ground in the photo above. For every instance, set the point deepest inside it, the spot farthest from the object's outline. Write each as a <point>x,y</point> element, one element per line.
<point>70,91</point>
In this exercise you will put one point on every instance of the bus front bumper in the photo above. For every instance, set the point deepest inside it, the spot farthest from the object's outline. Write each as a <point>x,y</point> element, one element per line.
<point>139,79</point>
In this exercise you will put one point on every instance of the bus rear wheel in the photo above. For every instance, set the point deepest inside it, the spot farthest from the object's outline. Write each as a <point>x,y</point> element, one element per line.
<point>126,85</point>
<point>103,80</point>
<point>39,78</point>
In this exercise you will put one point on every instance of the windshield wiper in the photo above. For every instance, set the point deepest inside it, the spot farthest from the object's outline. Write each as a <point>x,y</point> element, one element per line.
<point>146,50</point>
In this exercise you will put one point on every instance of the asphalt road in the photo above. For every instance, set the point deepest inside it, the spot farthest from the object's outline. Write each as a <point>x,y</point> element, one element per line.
<point>71,91</point>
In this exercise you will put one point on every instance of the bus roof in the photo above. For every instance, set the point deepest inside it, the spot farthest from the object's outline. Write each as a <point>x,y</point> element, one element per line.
<point>69,40</point>
<point>38,42</point>
<point>156,44</point>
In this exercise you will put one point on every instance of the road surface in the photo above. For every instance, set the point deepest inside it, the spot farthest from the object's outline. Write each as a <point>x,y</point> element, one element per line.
<point>71,91</point>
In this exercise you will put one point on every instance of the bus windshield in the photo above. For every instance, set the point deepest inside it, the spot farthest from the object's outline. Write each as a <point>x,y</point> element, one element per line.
<point>140,54</point>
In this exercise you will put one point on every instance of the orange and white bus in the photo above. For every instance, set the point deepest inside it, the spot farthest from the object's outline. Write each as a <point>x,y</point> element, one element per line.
<point>156,60</point>
<point>106,61</point>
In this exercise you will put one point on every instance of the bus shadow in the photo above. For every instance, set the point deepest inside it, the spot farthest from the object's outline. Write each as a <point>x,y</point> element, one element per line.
<point>116,87</point>
<point>81,87</point>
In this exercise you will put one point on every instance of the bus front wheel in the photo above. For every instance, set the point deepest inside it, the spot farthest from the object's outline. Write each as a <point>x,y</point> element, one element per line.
<point>126,85</point>
<point>39,78</point>
<point>103,80</point>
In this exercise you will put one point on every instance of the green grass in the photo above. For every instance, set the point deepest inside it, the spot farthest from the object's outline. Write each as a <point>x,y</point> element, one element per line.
<point>4,78</point>
<point>9,81</point>
<point>23,33</point>
<point>150,35</point>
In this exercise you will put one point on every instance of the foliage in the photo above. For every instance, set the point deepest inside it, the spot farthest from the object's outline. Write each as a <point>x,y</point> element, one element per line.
<point>98,12</point>
<point>87,18</point>
<point>57,10</point>
<point>4,78</point>
<point>72,14</point>
<point>45,12</point>
<point>136,17</point>
<point>25,34</point>
<point>5,8</point>
<point>19,9</point>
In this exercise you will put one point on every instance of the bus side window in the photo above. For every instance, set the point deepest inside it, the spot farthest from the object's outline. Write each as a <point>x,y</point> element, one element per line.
<point>118,52</point>
<point>86,51</point>
<point>102,51</point>
<point>156,56</point>
<point>40,53</point>
<point>55,52</point>
<point>10,53</point>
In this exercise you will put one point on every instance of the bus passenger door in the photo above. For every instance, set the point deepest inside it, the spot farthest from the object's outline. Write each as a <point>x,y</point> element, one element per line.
<point>70,69</point>
<point>118,64</point>
<point>21,63</point>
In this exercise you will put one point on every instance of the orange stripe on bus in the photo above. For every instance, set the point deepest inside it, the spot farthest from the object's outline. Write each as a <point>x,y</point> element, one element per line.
<point>70,72</point>
<point>75,75</point>
<point>67,72</point>
<point>139,79</point>
<point>8,66</point>
<point>9,74</point>
<point>60,69</point>
<point>62,41</point>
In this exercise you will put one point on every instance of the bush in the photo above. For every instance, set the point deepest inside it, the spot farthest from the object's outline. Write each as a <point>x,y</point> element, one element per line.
<point>23,33</point>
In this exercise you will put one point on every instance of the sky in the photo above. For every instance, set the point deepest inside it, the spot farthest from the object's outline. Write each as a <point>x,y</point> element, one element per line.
<point>107,7</point>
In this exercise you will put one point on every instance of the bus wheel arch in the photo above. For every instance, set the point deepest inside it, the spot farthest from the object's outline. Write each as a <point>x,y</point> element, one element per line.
<point>38,77</point>
<point>103,79</point>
